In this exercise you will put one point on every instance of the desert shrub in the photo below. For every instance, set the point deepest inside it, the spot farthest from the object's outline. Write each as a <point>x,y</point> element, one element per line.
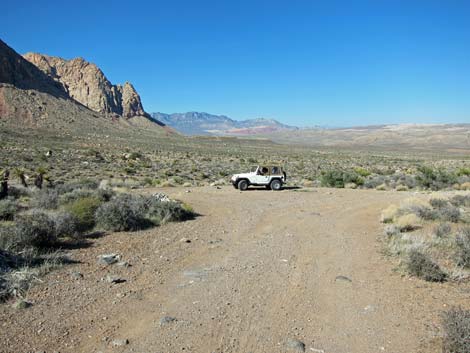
<point>65,225</point>
<point>438,179</point>
<point>74,195</point>
<point>408,222</point>
<point>7,232</point>
<point>162,212</point>
<point>122,213</point>
<point>424,212</point>
<point>84,184</point>
<point>404,180</point>
<point>132,212</point>
<point>450,214</point>
<point>421,266</point>
<point>338,178</point>
<point>463,172</point>
<point>46,199</point>
<point>374,182</point>
<point>102,194</point>
<point>456,325</point>
<point>35,229</point>
<point>460,200</point>
<point>84,212</point>
<point>362,171</point>
<point>18,191</point>
<point>438,203</point>
<point>463,247</point>
<point>8,209</point>
<point>442,229</point>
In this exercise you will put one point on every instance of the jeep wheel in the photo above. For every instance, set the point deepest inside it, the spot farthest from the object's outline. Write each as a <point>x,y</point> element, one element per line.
<point>242,185</point>
<point>276,185</point>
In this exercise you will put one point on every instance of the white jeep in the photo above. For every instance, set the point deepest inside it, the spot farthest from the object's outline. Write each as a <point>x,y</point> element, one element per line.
<point>272,177</point>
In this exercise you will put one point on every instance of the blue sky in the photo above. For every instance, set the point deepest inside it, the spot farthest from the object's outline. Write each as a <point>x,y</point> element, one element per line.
<point>335,63</point>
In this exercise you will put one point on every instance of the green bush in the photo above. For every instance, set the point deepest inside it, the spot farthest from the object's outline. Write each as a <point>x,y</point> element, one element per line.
<point>8,209</point>
<point>456,325</point>
<point>463,172</point>
<point>84,212</point>
<point>362,171</point>
<point>338,178</point>
<point>419,265</point>
<point>429,178</point>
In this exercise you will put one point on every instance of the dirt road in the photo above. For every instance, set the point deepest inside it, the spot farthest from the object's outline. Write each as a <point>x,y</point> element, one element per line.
<point>258,271</point>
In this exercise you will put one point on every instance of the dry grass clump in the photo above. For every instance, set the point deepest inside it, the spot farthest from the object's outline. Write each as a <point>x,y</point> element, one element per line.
<point>408,222</point>
<point>389,214</point>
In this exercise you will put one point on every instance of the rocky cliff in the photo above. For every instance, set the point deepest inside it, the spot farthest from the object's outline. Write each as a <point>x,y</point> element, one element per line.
<point>22,74</point>
<point>87,84</point>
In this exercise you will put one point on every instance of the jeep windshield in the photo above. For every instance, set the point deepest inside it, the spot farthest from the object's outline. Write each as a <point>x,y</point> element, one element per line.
<point>253,169</point>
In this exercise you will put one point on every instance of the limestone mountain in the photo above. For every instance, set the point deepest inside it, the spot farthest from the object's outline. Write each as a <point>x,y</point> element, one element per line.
<point>196,123</point>
<point>16,71</point>
<point>87,84</point>
<point>31,98</point>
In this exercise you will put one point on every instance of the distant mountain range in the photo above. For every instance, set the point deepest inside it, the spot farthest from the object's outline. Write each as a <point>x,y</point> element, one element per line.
<point>196,123</point>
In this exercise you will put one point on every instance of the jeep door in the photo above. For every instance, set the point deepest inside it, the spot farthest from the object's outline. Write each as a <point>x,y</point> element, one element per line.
<point>262,176</point>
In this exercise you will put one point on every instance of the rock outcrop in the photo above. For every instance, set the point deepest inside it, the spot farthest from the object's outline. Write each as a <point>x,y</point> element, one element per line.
<point>17,71</point>
<point>87,84</point>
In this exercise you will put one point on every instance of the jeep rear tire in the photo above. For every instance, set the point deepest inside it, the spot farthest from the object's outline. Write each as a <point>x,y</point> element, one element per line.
<point>276,185</point>
<point>242,185</point>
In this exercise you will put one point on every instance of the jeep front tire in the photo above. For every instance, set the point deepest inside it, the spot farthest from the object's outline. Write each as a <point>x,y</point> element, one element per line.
<point>276,185</point>
<point>242,185</point>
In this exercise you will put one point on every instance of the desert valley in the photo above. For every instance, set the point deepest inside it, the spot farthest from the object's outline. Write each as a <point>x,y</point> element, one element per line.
<point>120,230</point>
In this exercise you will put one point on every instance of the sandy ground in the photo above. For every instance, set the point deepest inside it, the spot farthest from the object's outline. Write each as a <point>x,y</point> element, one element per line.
<point>257,271</point>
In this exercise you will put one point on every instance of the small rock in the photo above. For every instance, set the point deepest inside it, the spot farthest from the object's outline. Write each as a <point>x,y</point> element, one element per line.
<point>167,320</point>
<point>161,197</point>
<point>124,264</point>
<point>120,342</point>
<point>343,278</point>
<point>185,240</point>
<point>108,259</point>
<point>22,304</point>
<point>296,345</point>
<point>76,275</point>
<point>114,279</point>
